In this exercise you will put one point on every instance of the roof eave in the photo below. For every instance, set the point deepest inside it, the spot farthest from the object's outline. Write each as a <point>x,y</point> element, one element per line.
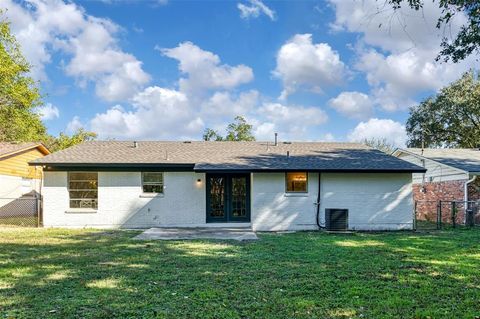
<point>115,166</point>
<point>42,148</point>
<point>191,167</point>
<point>314,170</point>
<point>436,160</point>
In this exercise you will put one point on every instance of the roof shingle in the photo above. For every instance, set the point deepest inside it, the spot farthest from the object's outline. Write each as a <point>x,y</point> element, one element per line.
<point>467,159</point>
<point>7,148</point>
<point>249,156</point>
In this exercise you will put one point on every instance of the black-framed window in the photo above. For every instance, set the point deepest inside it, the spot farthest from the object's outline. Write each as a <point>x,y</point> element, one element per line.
<point>296,182</point>
<point>83,189</point>
<point>152,182</point>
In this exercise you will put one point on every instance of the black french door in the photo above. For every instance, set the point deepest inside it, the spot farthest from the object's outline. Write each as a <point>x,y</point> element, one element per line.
<point>228,198</point>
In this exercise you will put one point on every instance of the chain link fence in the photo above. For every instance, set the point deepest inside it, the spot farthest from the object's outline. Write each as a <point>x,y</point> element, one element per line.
<point>23,211</point>
<point>430,215</point>
<point>426,215</point>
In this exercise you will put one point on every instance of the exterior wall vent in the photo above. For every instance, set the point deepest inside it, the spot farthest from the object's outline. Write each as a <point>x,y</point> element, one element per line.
<point>336,219</point>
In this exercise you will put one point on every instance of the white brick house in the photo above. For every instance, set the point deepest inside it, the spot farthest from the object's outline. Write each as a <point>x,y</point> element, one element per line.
<point>288,186</point>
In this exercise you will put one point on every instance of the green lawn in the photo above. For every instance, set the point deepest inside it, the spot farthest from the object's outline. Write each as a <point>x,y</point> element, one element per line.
<point>47,273</point>
<point>29,221</point>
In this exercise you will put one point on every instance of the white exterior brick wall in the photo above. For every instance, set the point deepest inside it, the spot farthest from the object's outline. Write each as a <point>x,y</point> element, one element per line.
<point>375,201</point>
<point>121,202</point>
<point>273,209</point>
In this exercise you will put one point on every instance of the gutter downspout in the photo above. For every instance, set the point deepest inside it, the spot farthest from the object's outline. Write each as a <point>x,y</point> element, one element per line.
<point>319,196</point>
<point>465,196</point>
<point>39,201</point>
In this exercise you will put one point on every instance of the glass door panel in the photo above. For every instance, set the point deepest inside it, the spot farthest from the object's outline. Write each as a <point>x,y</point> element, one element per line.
<point>228,198</point>
<point>216,198</point>
<point>239,197</point>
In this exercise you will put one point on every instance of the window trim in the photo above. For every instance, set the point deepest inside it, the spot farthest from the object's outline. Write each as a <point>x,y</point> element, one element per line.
<point>296,192</point>
<point>80,209</point>
<point>153,194</point>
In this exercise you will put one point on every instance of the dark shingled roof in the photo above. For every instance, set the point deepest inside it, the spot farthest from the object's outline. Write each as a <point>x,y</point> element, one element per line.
<point>467,159</point>
<point>225,156</point>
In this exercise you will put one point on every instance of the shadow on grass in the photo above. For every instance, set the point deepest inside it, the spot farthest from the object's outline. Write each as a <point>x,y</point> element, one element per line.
<point>105,274</point>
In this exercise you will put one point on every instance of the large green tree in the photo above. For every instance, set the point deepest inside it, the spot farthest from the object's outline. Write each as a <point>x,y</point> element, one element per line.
<point>449,119</point>
<point>20,96</point>
<point>19,93</point>
<point>239,130</point>
<point>467,41</point>
<point>64,141</point>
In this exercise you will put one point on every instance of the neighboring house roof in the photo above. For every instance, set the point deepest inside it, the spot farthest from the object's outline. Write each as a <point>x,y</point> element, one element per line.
<point>467,159</point>
<point>11,148</point>
<point>225,156</point>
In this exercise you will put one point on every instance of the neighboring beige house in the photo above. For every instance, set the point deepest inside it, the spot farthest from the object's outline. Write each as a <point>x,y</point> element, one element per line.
<point>451,176</point>
<point>451,173</point>
<point>17,178</point>
<point>262,185</point>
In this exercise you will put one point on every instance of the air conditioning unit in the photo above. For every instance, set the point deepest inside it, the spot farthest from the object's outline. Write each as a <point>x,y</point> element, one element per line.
<point>336,219</point>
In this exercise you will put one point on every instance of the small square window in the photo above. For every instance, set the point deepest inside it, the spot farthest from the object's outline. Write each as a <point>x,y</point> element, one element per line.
<point>296,182</point>
<point>152,182</point>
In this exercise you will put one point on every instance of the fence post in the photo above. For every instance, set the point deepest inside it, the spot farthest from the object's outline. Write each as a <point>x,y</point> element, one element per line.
<point>454,213</point>
<point>37,209</point>
<point>415,216</point>
<point>439,215</point>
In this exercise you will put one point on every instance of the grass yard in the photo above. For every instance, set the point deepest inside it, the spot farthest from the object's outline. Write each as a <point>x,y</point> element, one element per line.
<point>28,221</point>
<point>48,273</point>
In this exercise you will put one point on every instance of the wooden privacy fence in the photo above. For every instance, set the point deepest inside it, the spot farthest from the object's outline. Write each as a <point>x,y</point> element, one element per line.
<point>23,211</point>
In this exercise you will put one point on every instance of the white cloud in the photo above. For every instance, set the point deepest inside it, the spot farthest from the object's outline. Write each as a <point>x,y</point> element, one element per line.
<point>44,27</point>
<point>328,137</point>
<point>395,79</point>
<point>303,64</point>
<point>224,104</point>
<point>204,69</point>
<point>355,105</point>
<point>397,50</point>
<point>34,26</point>
<point>254,9</point>
<point>157,113</point>
<point>265,131</point>
<point>118,75</point>
<point>74,125</point>
<point>394,31</point>
<point>204,93</point>
<point>291,122</point>
<point>160,113</point>
<point>154,3</point>
<point>393,132</point>
<point>48,112</point>
<point>204,98</point>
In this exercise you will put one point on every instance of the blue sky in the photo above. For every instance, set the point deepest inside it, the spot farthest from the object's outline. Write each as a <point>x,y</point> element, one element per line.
<point>309,70</point>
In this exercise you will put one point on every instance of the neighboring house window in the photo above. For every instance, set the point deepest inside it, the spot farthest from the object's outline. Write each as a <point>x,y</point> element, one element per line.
<point>152,182</point>
<point>83,189</point>
<point>296,182</point>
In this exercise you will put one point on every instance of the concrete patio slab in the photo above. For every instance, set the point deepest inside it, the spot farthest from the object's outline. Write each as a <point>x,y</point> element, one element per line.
<point>240,234</point>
